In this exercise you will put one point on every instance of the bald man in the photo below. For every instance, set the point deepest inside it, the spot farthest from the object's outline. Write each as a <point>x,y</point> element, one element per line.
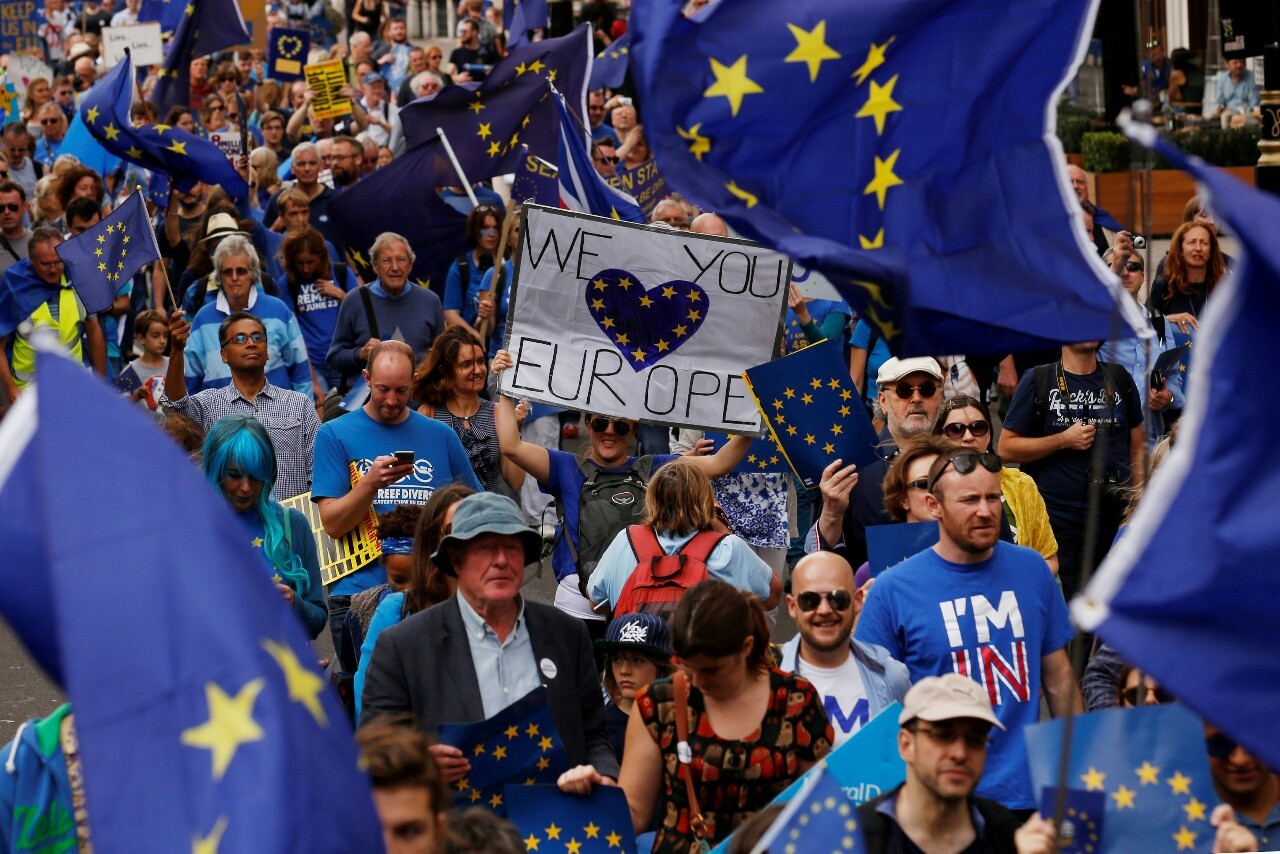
<point>709,223</point>
<point>1104,226</point>
<point>856,680</point>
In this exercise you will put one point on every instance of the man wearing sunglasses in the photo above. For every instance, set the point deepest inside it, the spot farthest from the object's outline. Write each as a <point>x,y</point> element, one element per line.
<point>982,608</point>
<point>13,234</point>
<point>857,680</point>
<point>910,393</point>
<point>1248,787</point>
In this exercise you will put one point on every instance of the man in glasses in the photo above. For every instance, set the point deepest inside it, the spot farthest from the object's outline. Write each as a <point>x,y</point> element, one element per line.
<point>13,234</point>
<point>910,393</point>
<point>53,124</point>
<point>23,169</point>
<point>1247,786</point>
<point>857,680</point>
<point>982,608</point>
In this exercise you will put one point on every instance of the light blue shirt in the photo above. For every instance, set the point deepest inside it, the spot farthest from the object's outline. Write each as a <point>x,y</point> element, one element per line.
<point>505,670</point>
<point>731,561</point>
<point>1243,97</point>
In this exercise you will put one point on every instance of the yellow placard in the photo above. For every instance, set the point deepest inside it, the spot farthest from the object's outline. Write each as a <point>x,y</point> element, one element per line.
<point>326,79</point>
<point>338,558</point>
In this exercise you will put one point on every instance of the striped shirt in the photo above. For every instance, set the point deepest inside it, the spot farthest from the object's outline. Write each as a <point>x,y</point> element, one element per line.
<point>290,419</point>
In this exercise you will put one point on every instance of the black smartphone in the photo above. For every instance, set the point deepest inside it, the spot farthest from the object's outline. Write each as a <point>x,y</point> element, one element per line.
<point>403,457</point>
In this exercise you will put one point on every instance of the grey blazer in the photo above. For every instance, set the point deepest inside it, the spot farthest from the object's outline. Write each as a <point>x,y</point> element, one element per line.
<point>422,665</point>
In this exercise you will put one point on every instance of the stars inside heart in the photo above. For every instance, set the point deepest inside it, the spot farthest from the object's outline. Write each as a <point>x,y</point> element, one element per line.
<point>645,324</point>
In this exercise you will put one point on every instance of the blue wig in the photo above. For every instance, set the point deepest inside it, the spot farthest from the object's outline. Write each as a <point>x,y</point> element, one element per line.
<point>242,443</point>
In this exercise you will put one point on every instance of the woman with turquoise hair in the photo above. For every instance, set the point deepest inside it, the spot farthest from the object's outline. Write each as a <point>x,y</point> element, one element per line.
<point>240,460</point>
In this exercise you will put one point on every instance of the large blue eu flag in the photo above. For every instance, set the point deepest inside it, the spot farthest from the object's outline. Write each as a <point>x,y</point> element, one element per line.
<point>21,293</point>
<point>1190,593</point>
<point>202,720</point>
<point>609,69</point>
<point>102,260</point>
<point>904,149</point>
<point>206,26</point>
<point>599,823</point>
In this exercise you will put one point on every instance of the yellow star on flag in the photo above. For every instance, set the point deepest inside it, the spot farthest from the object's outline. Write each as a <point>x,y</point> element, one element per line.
<point>663,346</point>
<point>102,266</point>
<point>876,242</point>
<point>789,393</point>
<point>1195,810</point>
<point>1179,784</point>
<point>495,148</point>
<point>880,103</point>
<point>1147,774</point>
<point>553,832</point>
<point>645,301</point>
<point>624,339</point>
<point>1124,797</point>
<point>485,131</point>
<point>615,841</point>
<point>732,82</point>
<point>809,439</point>
<point>531,843</point>
<point>475,795</point>
<point>791,430</point>
<point>230,724</point>
<point>845,394</point>
<point>694,314</point>
<point>178,147</point>
<point>694,296</point>
<point>836,429</point>
<point>573,846</point>
<point>815,383</point>
<point>133,152</point>
<point>304,686</point>
<point>209,844</point>
<point>680,331</point>
<point>544,763</point>
<point>1185,839</point>
<point>98,252</point>
<point>806,398</point>
<point>750,199</point>
<point>597,304</point>
<point>499,753</point>
<point>495,801</point>
<point>1093,780</point>
<point>829,448</point>
<point>521,69</point>
<point>592,831</point>
<point>545,743</point>
<point>845,410</point>
<point>536,66</point>
<point>811,47</point>
<point>475,106</point>
<point>624,283</point>
<point>698,144</point>
<point>478,750</point>
<point>669,292</point>
<point>875,59</point>
<point>834,384</point>
<point>607,323</point>
<point>102,239</point>
<point>91,115</point>
<point>111,131</point>
<point>160,129</point>
<point>884,178</point>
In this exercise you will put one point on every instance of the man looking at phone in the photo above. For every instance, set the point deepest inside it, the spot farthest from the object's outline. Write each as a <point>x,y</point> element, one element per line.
<point>357,466</point>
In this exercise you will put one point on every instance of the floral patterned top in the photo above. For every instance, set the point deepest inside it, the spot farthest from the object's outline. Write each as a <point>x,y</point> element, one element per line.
<point>734,779</point>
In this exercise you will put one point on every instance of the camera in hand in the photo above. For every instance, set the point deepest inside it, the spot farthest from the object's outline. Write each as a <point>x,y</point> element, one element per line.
<point>1139,242</point>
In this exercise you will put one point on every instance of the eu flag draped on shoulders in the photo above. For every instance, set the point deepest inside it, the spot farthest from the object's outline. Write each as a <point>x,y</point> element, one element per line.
<point>1190,592</point>
<point>21,293</point>
<point>581,187</point>
<point>187,159</point>
<point>102,260</point>
<point>206,26</point>
<point>872,142</point>
<point>202,722</point>
<point>1150,764</point>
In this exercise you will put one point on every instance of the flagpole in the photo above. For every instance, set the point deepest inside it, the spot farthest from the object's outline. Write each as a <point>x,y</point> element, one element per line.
<point>457,167</point>
<point>499,269</point>
<point>164,271</point>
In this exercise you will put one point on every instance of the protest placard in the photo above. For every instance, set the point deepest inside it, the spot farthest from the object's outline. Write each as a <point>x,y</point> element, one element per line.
<point>286,53</point>
<point>22,69</point>
<point>635,322</point>
<point>326,79</point>
<point>230,143</point>
<point>143,41</point>
<point>20,27</point>
<point>644,183</point>
<point>343,556</point>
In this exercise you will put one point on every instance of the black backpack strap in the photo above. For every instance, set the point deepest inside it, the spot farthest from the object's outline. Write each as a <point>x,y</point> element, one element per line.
<point>339,272</point>
<point>368,312</point>
<point>464,270</point>
<point>1042,382</point>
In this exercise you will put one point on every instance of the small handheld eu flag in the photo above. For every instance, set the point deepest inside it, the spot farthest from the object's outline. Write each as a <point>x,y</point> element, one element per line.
<point>103,259</point>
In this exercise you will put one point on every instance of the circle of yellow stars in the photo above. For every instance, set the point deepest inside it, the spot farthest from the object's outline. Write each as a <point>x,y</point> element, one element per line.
<point>1149,775</point>
<point>608,323</point>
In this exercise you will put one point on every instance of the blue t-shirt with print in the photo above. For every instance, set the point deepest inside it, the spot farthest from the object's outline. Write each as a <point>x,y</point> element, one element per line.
<point>793,337</point>
<point>439,460</point>
<point>565,484</point>
<point>317,315</point>
<point>877,356</point>
<point>992,621</point>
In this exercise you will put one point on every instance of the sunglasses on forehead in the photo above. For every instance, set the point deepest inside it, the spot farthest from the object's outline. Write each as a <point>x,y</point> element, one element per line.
<point>965,463</point>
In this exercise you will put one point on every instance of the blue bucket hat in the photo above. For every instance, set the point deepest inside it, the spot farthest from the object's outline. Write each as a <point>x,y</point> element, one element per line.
<point>647,633</point>
<point>486,513</point>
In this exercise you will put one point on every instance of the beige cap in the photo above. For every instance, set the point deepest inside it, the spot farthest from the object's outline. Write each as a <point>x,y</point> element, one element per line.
<point>895,369</point>
<point>947,697</point>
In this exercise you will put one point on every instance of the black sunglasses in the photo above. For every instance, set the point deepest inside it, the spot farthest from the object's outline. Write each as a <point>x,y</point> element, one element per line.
<point>1133,266</point>
<point>600,424</point>
<point>927,390</point>
<point>956,430</point>
<point>1220,746</point>
<point>839,600</point>
<point>918,483</point>
<point>965,463</point>
<point>11,208</point>
<point>1138,696</point>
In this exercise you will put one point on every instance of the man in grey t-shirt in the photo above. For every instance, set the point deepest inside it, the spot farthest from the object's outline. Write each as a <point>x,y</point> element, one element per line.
<point>13,234</point>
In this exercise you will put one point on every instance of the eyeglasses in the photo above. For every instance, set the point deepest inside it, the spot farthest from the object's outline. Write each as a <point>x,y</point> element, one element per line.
<point>965,463</point>
<point>10,208</point>
<point>956,429</point>
<point>233,116</point>
<point>213,108</point>
<point>1220,746</point>
<point>839,600</point>
<point>1133,266</point>
<point>599,425</point>
<point>919,483</point>
<point>234,272</point>
<point>927,390</point>
<point>243,338</point>
<point>600,158</point>
<point>947,735</point>
<point>50,121</point>
<point>1138,696</point>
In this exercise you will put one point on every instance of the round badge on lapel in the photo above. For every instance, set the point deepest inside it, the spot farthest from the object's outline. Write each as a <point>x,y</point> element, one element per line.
<point>548,668</point>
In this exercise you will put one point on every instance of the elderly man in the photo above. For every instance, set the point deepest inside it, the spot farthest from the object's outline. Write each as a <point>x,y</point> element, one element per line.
<point>389,307</point>
<point>235,264</point>
<point>306,169</point>
<point>290,417</point>
<point>982,608</point>
<point>709,223</point>
<point>1105,227</point>
<point>417,64</point>
<point>53,124</point>
<point>478,652</point>
<point>857,680</point>
<point>672,213</point>
<point>910,392</point>
<point>944,725</point>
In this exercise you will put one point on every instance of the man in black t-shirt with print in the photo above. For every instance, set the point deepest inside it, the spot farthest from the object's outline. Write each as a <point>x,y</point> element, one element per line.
<point>1058,413</point>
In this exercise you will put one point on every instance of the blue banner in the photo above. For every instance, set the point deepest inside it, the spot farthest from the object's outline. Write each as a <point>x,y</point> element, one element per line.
<point>644,183</point>
<point>20,22</point>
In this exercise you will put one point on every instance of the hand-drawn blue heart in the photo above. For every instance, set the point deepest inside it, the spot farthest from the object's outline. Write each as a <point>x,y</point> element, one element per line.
<point>645,324</point>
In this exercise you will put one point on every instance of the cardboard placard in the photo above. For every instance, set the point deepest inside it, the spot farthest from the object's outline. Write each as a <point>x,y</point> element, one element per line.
<point>20,22</point>
<point>142,40</point>
<point>22,69</point>
<point>326,79</point>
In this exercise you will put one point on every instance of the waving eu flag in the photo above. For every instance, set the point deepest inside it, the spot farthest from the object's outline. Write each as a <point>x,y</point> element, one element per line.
<point>1149,763</point>
<point>207,726</point>
<point>169,13</point>
<point>521,16</point>
<point>187,159</point>
<point>581,187</point>
<point>598,823</point>
<point>819,817</point>
<point>609,69</point>
<point>535,181</point>
<point>21,293</point>
<point>206,26</point>
<point>871,141</point>
<point>1189,592</point>
<point>103,259</point>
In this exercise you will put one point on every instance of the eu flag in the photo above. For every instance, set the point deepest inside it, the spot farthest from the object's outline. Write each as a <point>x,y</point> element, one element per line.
<point>103,259</point>
<point>206,26</point>
<point>535,181</point>
<point>1082,813</point>
<point>519,746</point>
<point>581,187</point>
<point>819,817</point>
<point>287,53</point>
<point>609,69</point>
<point>521,16</point>
<point>203,724</point>
<point>890,545</point>
<point>904,149</point>
<point>1151,765</point>
<point>766,455</point>
<point>813,410</point>
<point>1189,593</point>
<point>598,823</point>
<point>187,159</point>
<point>21,293</point>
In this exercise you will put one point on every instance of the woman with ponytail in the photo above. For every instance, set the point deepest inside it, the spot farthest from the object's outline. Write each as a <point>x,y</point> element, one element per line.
<point>240,460</point>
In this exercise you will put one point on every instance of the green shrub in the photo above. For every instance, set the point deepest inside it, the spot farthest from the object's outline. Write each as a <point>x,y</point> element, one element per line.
<point>1071,130</point>
<point>1105,152</point>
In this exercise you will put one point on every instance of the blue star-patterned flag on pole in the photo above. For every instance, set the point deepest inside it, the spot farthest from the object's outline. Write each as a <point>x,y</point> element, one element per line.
<point>207,26</point>
<point>1151,765</point>
<point>21,293</point>
<point>1080,830</point>
<point>169,13</point>
<point>581,187</point>
<point>813,410</point>
<point>550,820</point>
<point>535,181</point>
<point>519,746</point>
<point>103,259</point>
<point>187,159</point>
<point>867,141</point>
<point>521,16</point>
<point>206,729</point>
<point>1188,593</point>
<point>610,67</point>
<point>819,818</point>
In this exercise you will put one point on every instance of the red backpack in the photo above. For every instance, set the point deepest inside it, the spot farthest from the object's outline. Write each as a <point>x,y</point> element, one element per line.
<point>660,579</point>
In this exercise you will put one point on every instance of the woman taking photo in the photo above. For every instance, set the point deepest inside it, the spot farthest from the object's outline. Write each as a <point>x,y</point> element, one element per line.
<point>752,729</point>
<point>448,382</point>
<point>238,458</point>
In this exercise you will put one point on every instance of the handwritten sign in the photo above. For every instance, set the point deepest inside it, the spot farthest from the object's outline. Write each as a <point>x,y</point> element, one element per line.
<point>20,27</point>
<point>142,40</point>
<point>327,79</point>
<point>635,322</point>
<point>23,69</point>
<point>231,144</point>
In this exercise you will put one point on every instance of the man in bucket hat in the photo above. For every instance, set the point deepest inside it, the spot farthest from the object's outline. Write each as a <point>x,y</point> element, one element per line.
<point>478,652</point>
